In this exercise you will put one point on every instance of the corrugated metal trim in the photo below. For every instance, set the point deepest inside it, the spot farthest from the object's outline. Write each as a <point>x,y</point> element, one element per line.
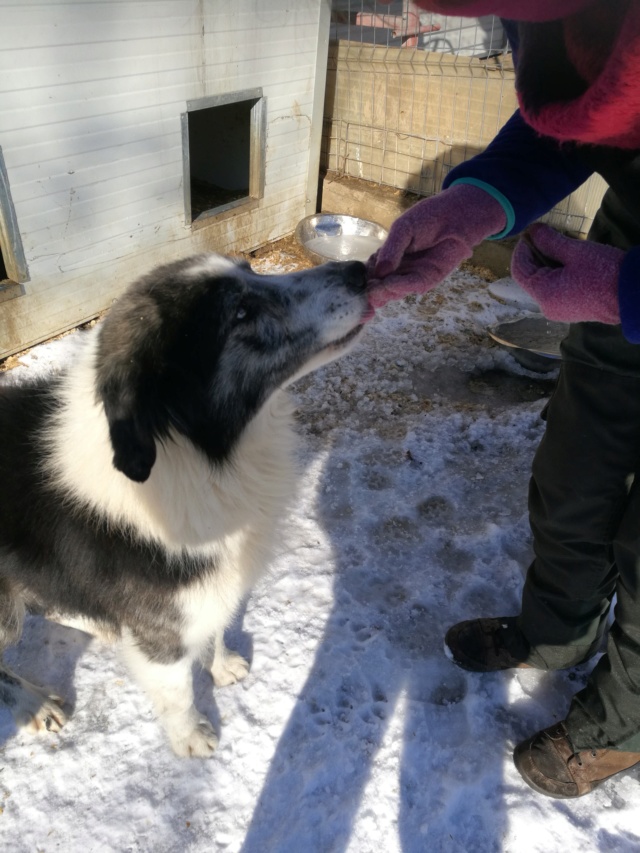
<point>221,100</point>
<point>12,252</point>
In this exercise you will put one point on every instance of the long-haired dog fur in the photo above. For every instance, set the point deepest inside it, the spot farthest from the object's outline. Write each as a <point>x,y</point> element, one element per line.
<point>139,491</point>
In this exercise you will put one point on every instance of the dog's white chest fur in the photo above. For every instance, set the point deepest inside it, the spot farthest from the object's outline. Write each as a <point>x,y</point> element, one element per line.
<point>186,503</point>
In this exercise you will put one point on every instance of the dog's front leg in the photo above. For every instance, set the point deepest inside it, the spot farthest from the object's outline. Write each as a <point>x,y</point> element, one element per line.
<point>32,707</point>
<point>170,687</point>
<point>228,667</point>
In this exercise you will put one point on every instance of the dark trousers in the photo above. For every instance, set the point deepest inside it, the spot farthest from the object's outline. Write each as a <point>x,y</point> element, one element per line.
<point>584,504</point>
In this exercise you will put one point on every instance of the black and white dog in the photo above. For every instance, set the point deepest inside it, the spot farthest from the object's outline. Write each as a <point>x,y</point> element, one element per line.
<point>139,491</point>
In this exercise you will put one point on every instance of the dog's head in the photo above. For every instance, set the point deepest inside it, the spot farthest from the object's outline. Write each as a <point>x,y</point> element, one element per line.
<point>199,345</point>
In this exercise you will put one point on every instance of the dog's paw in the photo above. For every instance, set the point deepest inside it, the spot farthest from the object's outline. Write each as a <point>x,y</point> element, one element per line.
<point>200,742</point>
<point>229,669</point>
<point>39,712</point>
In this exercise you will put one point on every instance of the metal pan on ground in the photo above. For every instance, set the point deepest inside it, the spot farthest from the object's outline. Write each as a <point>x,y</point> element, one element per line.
<point>338,237</point>
<point>533,341</point>
<point>509,291</point>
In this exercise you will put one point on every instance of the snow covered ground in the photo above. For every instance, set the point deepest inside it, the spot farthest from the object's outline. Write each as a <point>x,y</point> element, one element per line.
<point>353,731</point>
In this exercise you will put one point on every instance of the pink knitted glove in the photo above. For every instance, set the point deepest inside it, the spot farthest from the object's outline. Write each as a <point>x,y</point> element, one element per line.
<point>430,240</point>
<point>573,281</point>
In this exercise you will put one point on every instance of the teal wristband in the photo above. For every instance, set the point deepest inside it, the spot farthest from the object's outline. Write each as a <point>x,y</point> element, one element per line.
<point>499,197</point>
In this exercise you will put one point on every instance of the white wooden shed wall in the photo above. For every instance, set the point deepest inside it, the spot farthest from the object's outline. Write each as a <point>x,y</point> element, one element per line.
<point>91,94</point>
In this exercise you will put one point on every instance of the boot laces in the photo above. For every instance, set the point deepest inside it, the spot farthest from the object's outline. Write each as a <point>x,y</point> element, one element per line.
<point>576,754</point>
<point>578,759</point>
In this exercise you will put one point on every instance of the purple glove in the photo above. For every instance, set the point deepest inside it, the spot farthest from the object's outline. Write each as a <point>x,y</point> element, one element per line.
<point>573,281</point>
<point>430,240</point>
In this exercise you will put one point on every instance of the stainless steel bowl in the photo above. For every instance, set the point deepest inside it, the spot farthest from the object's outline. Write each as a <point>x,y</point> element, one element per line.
<point>338,237</point>
<point>533,341</point>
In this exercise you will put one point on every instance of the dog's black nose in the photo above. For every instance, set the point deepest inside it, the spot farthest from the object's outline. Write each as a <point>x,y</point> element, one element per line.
<point>356,276</point>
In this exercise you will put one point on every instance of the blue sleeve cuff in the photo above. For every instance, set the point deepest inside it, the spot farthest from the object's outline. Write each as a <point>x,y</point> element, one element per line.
<point>532,173</point>
<point>629,295</point>
<point>499,197</point>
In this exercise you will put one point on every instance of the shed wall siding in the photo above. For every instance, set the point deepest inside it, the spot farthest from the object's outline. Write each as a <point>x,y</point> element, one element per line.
<point>91,95</point>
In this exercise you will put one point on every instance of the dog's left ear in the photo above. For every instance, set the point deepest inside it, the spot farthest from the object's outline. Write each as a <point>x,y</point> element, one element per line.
<point>128,365</point>
<point>134,447</point>
<point>134,453</point>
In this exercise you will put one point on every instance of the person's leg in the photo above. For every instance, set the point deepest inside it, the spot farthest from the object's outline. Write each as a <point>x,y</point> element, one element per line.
<point>579,487</point>
<point>601,734</point>
<point>606,714</point>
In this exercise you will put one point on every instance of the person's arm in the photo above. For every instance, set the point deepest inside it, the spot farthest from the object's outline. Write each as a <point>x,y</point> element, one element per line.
<point>527,173</point>
<point>519,177</point>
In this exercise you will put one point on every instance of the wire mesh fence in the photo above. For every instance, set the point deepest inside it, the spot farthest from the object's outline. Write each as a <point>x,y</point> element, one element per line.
<point>412,94</point>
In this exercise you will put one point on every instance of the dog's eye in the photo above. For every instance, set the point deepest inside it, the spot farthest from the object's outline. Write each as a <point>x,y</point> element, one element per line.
<point>245,309</point>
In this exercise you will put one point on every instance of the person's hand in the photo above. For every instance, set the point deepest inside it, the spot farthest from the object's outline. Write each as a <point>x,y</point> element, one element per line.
<point>572,281</point>
<point>430,240</point>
